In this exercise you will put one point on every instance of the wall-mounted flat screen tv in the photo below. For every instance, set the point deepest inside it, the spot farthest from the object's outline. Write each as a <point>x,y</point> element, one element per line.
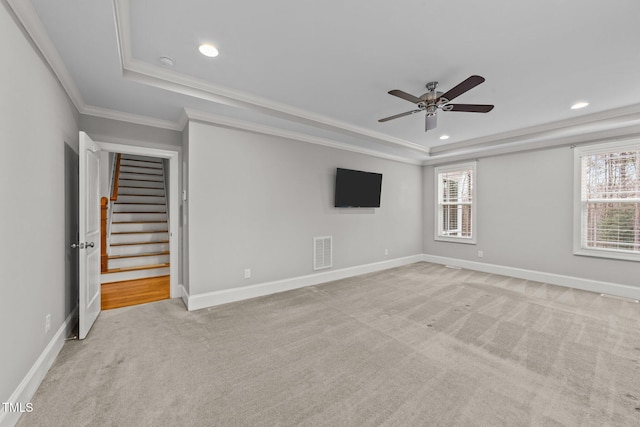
<point>357,189</point>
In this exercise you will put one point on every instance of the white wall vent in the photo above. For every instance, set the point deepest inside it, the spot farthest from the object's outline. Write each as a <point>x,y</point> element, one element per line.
<point>322,252</point>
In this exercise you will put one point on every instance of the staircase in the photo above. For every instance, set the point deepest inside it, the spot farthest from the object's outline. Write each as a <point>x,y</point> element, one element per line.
<point>139,243</point>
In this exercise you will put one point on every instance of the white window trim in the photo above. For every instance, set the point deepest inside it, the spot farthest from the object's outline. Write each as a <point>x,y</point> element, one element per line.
<point>578,217</point>
<point>438,213</point>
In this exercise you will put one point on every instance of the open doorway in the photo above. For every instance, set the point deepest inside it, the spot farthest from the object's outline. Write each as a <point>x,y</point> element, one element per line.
<point>135,253</point>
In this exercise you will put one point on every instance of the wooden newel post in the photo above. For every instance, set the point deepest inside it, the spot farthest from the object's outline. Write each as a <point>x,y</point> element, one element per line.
<point>104,258</point>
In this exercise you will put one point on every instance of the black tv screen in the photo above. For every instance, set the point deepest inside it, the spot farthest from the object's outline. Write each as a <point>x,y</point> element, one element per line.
<point>357,189</point>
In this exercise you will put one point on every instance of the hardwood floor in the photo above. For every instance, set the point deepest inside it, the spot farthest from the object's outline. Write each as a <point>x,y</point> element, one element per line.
<point>132,292</point>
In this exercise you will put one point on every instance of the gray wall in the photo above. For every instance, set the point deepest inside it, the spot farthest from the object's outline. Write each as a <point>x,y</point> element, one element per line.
<point>525,218</point>
<point>257,201</point>
<point>106,168</point>
<point>109,130</point>
<point>39,139</point>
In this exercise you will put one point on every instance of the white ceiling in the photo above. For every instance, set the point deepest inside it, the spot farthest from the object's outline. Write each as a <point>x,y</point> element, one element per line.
<point>323,68</point>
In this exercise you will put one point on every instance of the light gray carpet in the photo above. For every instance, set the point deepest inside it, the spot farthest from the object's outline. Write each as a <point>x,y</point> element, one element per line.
<point>421,345</point>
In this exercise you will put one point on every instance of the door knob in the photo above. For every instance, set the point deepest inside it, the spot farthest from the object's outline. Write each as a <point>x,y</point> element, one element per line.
<point>77,246</point>
<point>89,244</point>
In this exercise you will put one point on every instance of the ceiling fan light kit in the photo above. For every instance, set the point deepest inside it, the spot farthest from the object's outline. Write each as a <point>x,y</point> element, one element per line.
<point>433,100</point>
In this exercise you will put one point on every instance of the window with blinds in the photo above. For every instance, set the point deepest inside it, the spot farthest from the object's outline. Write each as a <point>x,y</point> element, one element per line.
<point>455,210</point>
<point>608,200</point>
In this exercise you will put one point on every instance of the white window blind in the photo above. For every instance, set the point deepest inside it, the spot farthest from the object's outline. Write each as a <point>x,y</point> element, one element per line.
<point>608,200</point>
<point>455,210</point>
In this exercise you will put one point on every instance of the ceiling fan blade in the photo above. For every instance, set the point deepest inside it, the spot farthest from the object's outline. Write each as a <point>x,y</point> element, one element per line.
<point>470,108</point>
<point>430,122</point>
<point>466,85</point>
<point>406,96</point>
<point>386,119</point>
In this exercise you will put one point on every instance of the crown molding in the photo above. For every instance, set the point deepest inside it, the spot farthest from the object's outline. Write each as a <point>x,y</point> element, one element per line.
<point>156,76</point>
<point>27,17</point>
<point>559,130</point>
<point>540,142</point>
<point>122,19</point>
<point>217,120</point>
<point>105,113</point>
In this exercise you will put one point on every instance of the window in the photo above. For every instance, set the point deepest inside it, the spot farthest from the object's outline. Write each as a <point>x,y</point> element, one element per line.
<point>455,209</point>
<point>607,200</point>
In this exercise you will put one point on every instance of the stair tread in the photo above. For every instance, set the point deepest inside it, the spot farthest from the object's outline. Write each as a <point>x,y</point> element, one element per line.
<point>139,222</point>
<point>141,160</point>
<point>143,195</point>
<point>141,212</point>
<point>139,166</point>
<point>136,164</point>
<point>137,203</point>
<point>140,232</point>
<point>138,195</point>
<point>138,255</point>
<point>142,182</point>
<point>142,267</point>
<point>142,186</point>
<point>146,160</point>
<point>138,173</point>
<point>120,193</point>
<point>145,178</point>
<point>131,186</point>
<point>139,243</point>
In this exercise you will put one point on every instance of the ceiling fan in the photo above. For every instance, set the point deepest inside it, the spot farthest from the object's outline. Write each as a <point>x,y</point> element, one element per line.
<point>433,100</point>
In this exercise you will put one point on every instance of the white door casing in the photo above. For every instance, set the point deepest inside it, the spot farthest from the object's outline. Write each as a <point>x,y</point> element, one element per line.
<point>89,235</point>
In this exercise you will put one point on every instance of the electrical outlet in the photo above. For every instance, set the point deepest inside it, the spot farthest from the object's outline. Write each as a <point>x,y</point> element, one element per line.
<point>386,251</point>
<point>247,273</point>
<point>47,323</point>
<point>480,254</point>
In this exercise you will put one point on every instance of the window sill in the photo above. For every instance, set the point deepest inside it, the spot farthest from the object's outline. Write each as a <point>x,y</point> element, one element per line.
<point>623,256</point>
<point>463,240</point>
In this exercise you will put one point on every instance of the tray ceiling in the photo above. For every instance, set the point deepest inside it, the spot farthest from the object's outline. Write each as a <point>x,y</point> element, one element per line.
<point>323,69</point>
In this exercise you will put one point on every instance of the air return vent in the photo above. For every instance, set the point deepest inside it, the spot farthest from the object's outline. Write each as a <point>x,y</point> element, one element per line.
<point>322,252</point>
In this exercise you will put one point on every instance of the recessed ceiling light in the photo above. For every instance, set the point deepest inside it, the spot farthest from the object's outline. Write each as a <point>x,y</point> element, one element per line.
<point>208,50</point>
<point>167,61</point>
<point>444,137</point>
<point>579,105</point>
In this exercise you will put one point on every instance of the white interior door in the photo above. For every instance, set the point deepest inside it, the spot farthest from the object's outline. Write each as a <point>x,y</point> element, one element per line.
<point>89,244</point>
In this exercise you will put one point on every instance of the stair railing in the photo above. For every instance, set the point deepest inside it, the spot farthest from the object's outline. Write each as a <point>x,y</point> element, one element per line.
<point>114,178</point>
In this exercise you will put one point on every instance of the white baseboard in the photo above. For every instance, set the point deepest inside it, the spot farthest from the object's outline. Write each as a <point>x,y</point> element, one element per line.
<point>210,299</point>
<point>184,295</point>
<point>30,383</point>
<point>600,287</point>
